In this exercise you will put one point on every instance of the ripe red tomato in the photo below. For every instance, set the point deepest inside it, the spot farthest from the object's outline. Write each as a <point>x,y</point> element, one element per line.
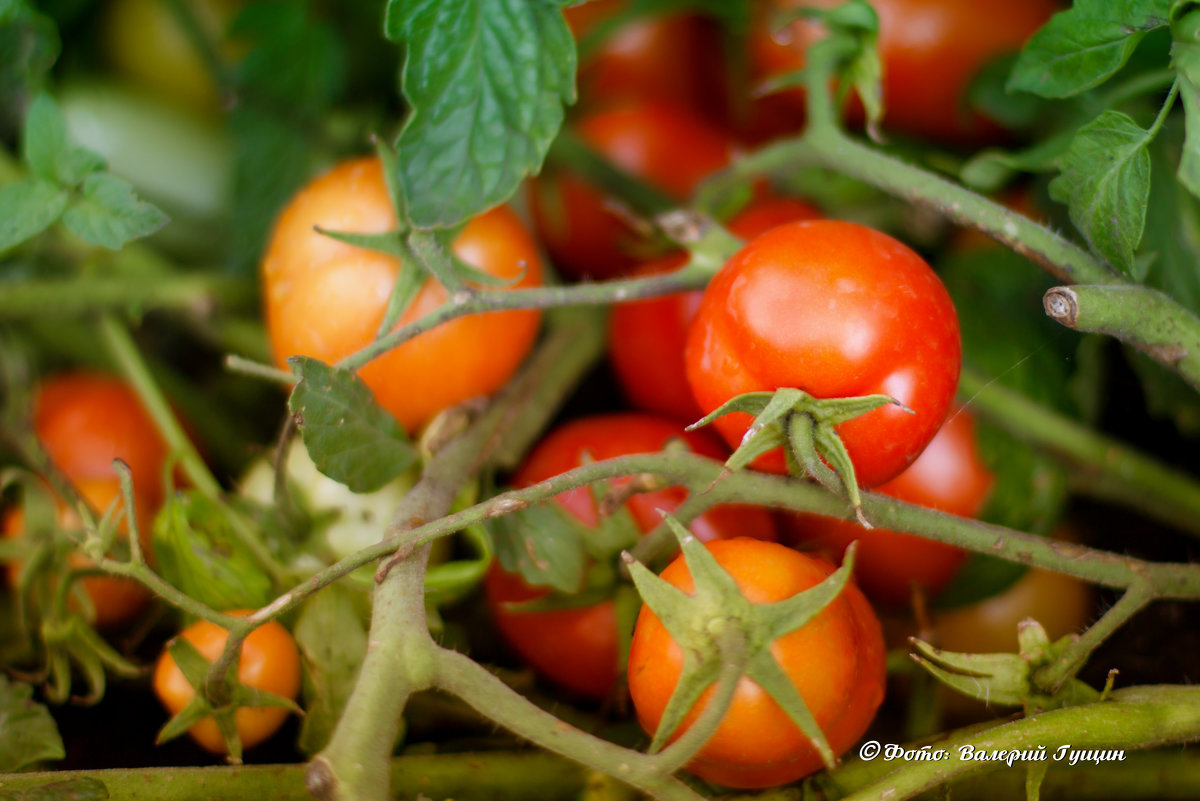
<point>660,144</point>
<point>646,338</point>
<point>665,58</point>
<point>577,648</point>
<point>930,49</point>
<point>86,420</point>
<point>269,661</point>
<point>949,476</point>
<point>326,299</point>
<point>836,661</point>
<point>838,310</point>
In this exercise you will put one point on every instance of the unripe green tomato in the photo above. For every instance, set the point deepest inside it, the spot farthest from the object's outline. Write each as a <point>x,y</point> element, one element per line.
<point>146,41</point>
<point>180,161</point>
<point>347,521</point>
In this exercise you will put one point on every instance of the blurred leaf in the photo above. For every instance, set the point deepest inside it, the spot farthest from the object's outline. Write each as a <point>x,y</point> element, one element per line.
<point>109,214</point>
<point>1185,58</point>
<point>487,80</point>
<point>1105,181</point>
<point>350,437</point>
<point>27,209</point>
<point>988,92</point>
<point>29,46</point>
<point>28,735</point>
<point>199,554</point>
<point>1085,46</point>
<point>988,170</point>
<point>333,640</point>
<point>544,544</point>
<point>295,60</point>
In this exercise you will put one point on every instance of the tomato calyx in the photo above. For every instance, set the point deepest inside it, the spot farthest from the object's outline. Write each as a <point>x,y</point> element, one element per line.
<point>234,695</point>
<point>1009,679</point>
<point>725,636</point>
<point>806,428</point>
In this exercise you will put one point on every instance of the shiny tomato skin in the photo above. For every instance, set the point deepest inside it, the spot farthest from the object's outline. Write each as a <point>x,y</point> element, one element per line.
<point>326,299</point>
<point>86,420</point>
<point>931,51</point>
<point>838,310</point>
<point>836,661</point>
<point>647,338</point>
<point>577,648</point>
<point>663,57</point>
<point>663,145</point>
<point>269,661</point>
<point>949,476</point>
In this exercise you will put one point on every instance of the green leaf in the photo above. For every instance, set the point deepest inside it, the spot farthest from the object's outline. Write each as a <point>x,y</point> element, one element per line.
<point>1185,58</point>
<point>544,544</point>
<point>28,735</point>
<point>333,641</point>
<point>27,209</point>
<point>486,80</point>
<point>198,553</point>
<point>45,138</point>
<point>109,214</point>
<point>296,60</point>
<point>30,44</point>
<point>1085,46</point>
<point>1105,183</point>
<point>349,436</point>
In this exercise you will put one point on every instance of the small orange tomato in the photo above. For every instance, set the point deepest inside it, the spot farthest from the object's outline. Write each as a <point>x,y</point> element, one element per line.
<point>326,299</point>
<point>836,661</point>
<point>269,661</point>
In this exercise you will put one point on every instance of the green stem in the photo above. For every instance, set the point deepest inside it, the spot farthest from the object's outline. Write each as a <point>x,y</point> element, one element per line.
<point>401,654</point>
<point>598,171</point>
<point>1164,112</point>
<point>73,297</point>
<point>1138,315</point>
<point>733,666</point>
<point>1052,676</point>
<point>1105,468</point>
<point>459,675</point>
<point>1136,718</point>
<point>462,776</point>
<point>238,364</point>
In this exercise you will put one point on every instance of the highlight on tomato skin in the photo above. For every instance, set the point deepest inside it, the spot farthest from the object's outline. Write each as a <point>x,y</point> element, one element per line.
<point>577,647</point>
<point>659,143</point>
<point>647,338</point>
<point>876,320</point>
<point>326,299</point>
<point>949,476</point>
<point>836,661</point>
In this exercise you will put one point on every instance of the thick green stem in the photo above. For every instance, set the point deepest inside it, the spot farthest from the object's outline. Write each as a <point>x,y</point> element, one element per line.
<point>1140,717</point>
<point>1140,316</point>
<point>72,297</point>
<point>400,655</point>
<point>459,675</point>
<point>1103,466</point>
<point>461,776</point>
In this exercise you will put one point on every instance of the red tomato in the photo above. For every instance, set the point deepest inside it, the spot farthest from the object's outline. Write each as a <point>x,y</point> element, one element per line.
<point>930,49</point>
<point>657,143</point>
<point>646,338</point>
<point>577,648</point>
<point>949,476</point>
<point>836,661</point>
<point>269,661</point>
<point>664,57</point>
<point>86,420</point>
<point>326,299</point>
<point>838,310</point>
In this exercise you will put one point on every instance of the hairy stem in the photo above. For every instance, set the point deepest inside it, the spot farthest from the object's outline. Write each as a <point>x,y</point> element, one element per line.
<point>76,296</point>
<point>1143,317</point>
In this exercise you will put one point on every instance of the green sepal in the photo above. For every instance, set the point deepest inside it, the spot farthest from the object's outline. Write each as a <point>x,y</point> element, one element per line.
<point>696,677</point>
<point>783,617</point>
<point>386,243</point>
<point>766,673</point>
<point>450,582</point>
<point>410,278</point>
<point>191,663</point>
